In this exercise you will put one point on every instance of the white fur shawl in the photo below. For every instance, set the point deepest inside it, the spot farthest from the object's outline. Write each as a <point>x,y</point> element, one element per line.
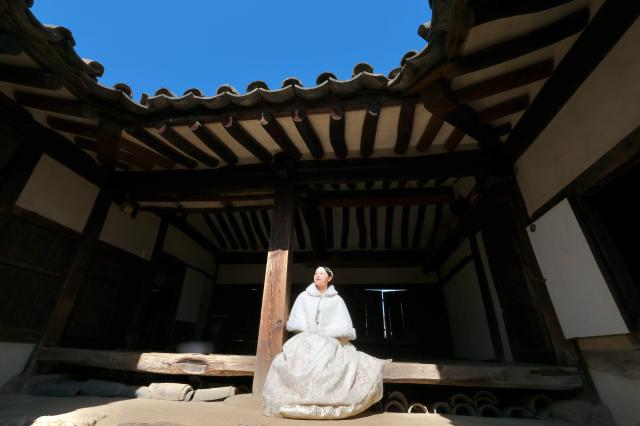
<point>325,314</point>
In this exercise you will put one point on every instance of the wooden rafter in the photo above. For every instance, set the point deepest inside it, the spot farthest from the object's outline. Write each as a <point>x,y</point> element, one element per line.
<point>157,145</point>
<point>405,126</point>
<point>54,104</point>
<point>241,136</point>
<point>30,77</point>
<point>255,221</point>
<point>404,227</point>
<point>504,82</point>
<point>179,142</point>
<point>608,25</point>
<point>430,132</point>
<point>226,229</point>
<point>121,155</point>
<point>344,237</point>
<point>235,227</point>
<point>362,228</point>
<point>521,45</point>
<point>453,140</point>
<point>417,235</point>
<point>213,142</point>
<point>369,127</point>
<point>279,136</point>
<point>504,109</point>
<point>251,234</point>
<point>299,228</point>
<point>336,132</point>
<point>383,197</point>
<point>388,227</point>
<point>373,226</point>
<point>307,133</point>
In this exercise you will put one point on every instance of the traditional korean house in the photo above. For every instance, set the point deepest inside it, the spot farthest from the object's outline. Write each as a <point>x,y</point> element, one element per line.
<point>479,205</point>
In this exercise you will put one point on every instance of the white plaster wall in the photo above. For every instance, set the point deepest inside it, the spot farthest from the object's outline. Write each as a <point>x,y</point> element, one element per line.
<point>187,250</point>
<point>301,273</point>
<point>59,194</point>
<point>470,332</point>
<point>600,114</point>
<point>580,296</point>
<point>14,358</point>
<point>137,236</point>
<point>463,250</point>
<point>190,296</point>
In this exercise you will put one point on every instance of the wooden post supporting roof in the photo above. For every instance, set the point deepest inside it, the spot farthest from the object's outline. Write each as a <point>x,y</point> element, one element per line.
<point>277,283</point>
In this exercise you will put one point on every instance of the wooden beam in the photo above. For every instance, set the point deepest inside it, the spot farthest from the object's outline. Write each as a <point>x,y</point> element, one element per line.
<point>488,375</point>
<point>434,230</point>
<point>504,109</point>
<point>345,257</point>
<point>307,133</point>
<point>438,99</point>
<point>608,25</point>
<point>58,105</point>
<point>369,127</point>
<point>77,270</point>
<point>383,197</point>
<point>490,11</point>
<point>521,45</point>
<point>144,163</point>
<point>192,184</point>
<point>279,136</point>
<point>159,146</point>
<point>213,142</point>
<point>344,236</point>
<point>179,142</point>
<point>10,45</point>
<point>453,140</point>
<point>154,362</point>
<point>108,141</point>
<point>224,226</point>
<point>241,136</point>
<point>277,285</point>
<point>430,132</point>
<point>336,132</point>
<point>17,123</point>
<point>30,77</point>
<point>405,126</point>
<point>491,375</point>
<point>504,82</point>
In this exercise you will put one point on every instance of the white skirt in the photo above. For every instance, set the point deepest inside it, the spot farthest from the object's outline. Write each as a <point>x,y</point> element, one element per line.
<point>317,377</point>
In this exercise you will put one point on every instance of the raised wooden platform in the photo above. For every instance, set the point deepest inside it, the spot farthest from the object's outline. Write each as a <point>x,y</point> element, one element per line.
<point>492,375</point>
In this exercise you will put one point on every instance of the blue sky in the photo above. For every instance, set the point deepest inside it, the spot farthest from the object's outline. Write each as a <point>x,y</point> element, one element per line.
<point>150,44</point>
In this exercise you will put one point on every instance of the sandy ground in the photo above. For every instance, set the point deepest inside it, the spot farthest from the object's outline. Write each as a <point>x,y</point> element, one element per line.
<point>240,410</point>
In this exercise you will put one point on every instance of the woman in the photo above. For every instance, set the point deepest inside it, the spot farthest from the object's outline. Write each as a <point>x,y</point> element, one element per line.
<point>319,374</point>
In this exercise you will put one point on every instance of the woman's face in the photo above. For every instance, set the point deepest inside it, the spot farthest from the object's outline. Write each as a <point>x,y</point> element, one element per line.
<point>321,278</point>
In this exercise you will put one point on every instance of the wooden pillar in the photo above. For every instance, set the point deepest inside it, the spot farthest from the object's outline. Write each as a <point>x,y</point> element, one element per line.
<point>523,294</point>
<point>277,283</point>
<point>78,270</point>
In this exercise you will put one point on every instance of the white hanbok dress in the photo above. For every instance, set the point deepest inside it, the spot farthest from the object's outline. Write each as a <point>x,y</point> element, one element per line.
<point>319,374</point>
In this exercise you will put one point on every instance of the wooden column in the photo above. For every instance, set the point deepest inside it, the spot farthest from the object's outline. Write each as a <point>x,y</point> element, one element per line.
<point>518,279</point>
<point>78,270</point>
<point>277,283</point>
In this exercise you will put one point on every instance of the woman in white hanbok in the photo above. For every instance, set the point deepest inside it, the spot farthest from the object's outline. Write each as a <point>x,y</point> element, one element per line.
<point>319,374</point>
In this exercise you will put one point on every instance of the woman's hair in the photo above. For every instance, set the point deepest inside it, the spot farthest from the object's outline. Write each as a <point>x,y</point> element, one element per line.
<point>327,270</point>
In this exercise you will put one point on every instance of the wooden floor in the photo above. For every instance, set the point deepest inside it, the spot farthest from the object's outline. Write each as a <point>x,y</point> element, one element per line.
<point>491,375</point>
